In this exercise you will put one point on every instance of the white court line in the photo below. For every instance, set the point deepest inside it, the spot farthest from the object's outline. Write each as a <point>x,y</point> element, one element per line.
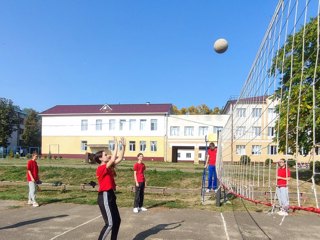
<point>74,228</point>
<point>225,226</point>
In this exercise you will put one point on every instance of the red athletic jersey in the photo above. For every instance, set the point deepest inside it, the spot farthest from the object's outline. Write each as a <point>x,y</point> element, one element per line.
<point>33,167</point>
<point>283,172</point>
<point>105,178</point>
<point>139,168</point>
<point>212,156</point>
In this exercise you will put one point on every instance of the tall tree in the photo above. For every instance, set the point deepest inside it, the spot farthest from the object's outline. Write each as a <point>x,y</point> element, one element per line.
<point>287,66</point>
<point>8,120</point>
<point>32,129</point>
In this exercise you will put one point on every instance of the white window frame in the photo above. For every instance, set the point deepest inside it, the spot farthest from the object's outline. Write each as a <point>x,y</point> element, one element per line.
<point>203,130</point>
<point>122,124</point>
<point>98,124</point>
<point>84,125</point>
<point>256,112</point>
<point>241,112</point>
<point>240,150</point>
<point>84,145</point>
<point>153,146</point>
<point>174,131</point>
<point>188,131</point>
<point>112,124</point>
<point>132,146</point>
<point>143,146</point>
<point>154,124</point>
<point>256,150</point>
<point>143,124</point>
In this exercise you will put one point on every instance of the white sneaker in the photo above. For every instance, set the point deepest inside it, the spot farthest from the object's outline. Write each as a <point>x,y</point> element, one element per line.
<point>35,204</point>
<point>208,190</point>
<point>216,190</point>
<point>282,213</point>
<point>143,209</point>
<point>135,210</point>
<point>30,202</point>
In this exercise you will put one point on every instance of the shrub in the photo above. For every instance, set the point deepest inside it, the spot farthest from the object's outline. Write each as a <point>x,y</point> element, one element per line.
<point>60,157</point>
<point>11,154</point>
<point>55,157</point>
<point>268,161</point>
<point>17,155</point>
<point>316,166</point>
<point>291,162</point>
<point>244,159</point>
<point>28,156</point>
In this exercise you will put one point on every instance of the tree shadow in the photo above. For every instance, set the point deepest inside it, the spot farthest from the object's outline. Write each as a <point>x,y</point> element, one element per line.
<point>163,203</point>
<point>156,229</point>
<point>20,224</point>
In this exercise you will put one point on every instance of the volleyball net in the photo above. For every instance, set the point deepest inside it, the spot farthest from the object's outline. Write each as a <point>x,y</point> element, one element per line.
<point>277,113</point>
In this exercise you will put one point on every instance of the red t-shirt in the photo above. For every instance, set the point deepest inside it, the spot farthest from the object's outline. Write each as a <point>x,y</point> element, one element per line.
<point>212,156</point>
<point>105,178</point>
<point>283,172</point>
<point>33,167</point>
<point>139,168</point>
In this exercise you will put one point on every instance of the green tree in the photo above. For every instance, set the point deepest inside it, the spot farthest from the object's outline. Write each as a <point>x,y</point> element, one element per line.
<point>32,129</point>
<point>9,120</point>
<point>290,76</point>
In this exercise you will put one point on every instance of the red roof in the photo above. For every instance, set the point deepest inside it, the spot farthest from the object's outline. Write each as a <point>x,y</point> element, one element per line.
<point>108,109</point>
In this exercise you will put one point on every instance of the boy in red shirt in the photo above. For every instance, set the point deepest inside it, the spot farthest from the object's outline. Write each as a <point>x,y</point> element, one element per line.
<point>283,176</point>
<point>140,184</point>
<point>33,178</point>
<point>106,197</point>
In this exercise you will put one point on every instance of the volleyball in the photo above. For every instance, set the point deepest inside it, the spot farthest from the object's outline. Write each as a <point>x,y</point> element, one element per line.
<point>220,45</point>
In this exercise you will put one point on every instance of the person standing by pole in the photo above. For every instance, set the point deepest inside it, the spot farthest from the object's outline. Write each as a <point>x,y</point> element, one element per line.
<point>33,178</point>
<point>211,165</point>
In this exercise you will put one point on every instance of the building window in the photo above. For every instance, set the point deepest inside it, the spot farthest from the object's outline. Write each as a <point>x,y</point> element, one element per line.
<point>112,124</point>
<point>240,149</point>
<point>203,131</point>
<point>188,131</point>
<point>217,129</point>
<point>256,112</point>
<point>271,114</point>
<point>240,131</point>
<point>272,150</point>
<point>188,155</point>
<point>256,131</point>
<point>122,124</point>
<point>199,155</point>
<point>153,146</point>
<point>154,124</point>
<point>132,124</point>
<point>143,146</point>
<point>111,145</point>
<point>132,146</point>
<point>270,131</point>
<point>256,149</point>
<point>98,125</point>
<point>84,125</point>
<point>84,145</point>
<point>179,155</point>
<point>241,112</point>
<point>174,131</point>
<point>143,123</point>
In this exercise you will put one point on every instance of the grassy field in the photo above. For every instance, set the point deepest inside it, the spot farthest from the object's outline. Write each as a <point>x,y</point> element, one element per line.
<point>182,180</point>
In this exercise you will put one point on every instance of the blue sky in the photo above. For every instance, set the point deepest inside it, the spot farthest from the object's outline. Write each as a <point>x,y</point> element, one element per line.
<point>125,51</point>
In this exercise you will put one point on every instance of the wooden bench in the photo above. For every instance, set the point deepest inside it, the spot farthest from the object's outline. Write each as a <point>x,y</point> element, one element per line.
<point>62,186</point>
<point>152,189</point>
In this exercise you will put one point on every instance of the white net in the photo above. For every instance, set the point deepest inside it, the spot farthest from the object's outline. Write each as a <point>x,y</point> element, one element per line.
<point>277,113</point>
